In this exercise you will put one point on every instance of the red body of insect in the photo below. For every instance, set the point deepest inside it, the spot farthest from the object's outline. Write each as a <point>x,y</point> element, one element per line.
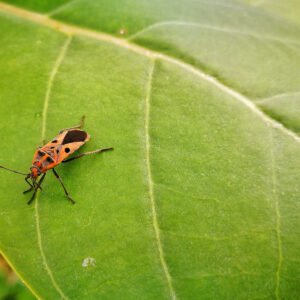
<point>55,152</point>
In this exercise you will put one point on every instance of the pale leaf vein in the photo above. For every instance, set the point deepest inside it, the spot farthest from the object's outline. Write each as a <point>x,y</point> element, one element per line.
<point>277,217</point>
<point>44,119</point>
<point>150,184</point>
<point>213,28</point>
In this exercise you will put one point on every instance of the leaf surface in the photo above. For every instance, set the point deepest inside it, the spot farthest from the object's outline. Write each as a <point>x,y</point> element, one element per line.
<point>200,197</point>
<point>289,9</point>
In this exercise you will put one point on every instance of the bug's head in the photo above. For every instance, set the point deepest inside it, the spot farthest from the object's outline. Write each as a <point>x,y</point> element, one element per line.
<point>35,173</point>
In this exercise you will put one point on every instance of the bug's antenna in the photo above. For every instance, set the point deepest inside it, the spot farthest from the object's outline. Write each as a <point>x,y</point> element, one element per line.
<point>14,171</point>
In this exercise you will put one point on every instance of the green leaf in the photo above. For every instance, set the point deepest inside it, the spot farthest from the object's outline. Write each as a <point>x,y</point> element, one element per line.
<point>288,9</point>
<point>200,197</point>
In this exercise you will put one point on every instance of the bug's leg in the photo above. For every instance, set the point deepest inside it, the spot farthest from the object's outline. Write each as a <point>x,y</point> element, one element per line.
<point>79,126</point>
<point>88,153</point>
<point>81,122</point>
<point>66,192</point>
<point>36,189</point>
<point>31,186</point>
<point>27,191</point>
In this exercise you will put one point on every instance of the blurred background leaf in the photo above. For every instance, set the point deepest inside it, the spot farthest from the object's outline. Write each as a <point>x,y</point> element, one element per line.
<point>10,286</point>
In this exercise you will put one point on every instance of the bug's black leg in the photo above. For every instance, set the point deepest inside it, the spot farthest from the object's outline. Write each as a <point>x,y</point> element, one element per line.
<point>31,186</point>
<point>88,153</point>
<point>36,189</point>
<point>66,192</point>
<point>79,126</point>
<point>27,191</point>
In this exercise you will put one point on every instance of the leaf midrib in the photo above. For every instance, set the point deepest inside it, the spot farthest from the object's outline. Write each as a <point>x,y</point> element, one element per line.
<point>74,30</point>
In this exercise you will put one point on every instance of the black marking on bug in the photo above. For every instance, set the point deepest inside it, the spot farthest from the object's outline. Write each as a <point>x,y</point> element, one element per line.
<point>67,150</point>
<point>41,153</point>
<point>74,136</point>
<point>49,159</point>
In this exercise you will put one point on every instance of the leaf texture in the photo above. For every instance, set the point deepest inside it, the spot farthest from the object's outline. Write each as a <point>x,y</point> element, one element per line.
<point>200,198</point>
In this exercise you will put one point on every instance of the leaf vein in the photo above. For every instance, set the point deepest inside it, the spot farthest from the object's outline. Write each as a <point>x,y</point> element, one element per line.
<point>278,219</point>
<point>214,28</point>
<point>276,97</point>
<point>61,7</point>
<point>150,183</point>
<point>50,83</point>
<point>44,119</point>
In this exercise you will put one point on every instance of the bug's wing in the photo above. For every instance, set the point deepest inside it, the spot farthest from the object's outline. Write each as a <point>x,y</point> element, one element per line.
<point>57,140</point>
<point>72,140</point>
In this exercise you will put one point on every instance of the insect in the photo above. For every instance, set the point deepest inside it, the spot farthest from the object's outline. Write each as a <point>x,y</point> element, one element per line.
<point>52,154</point>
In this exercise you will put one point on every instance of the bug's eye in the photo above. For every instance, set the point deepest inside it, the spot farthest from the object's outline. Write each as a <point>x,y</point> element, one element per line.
<point>67,150</point>
<point>54,141</point>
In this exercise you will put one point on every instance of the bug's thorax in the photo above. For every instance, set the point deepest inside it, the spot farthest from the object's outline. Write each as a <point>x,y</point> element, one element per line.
<point>44,159</point>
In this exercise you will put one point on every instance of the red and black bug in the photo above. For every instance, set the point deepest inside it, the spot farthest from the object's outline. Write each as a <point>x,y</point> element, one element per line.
<point>53,153</point>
